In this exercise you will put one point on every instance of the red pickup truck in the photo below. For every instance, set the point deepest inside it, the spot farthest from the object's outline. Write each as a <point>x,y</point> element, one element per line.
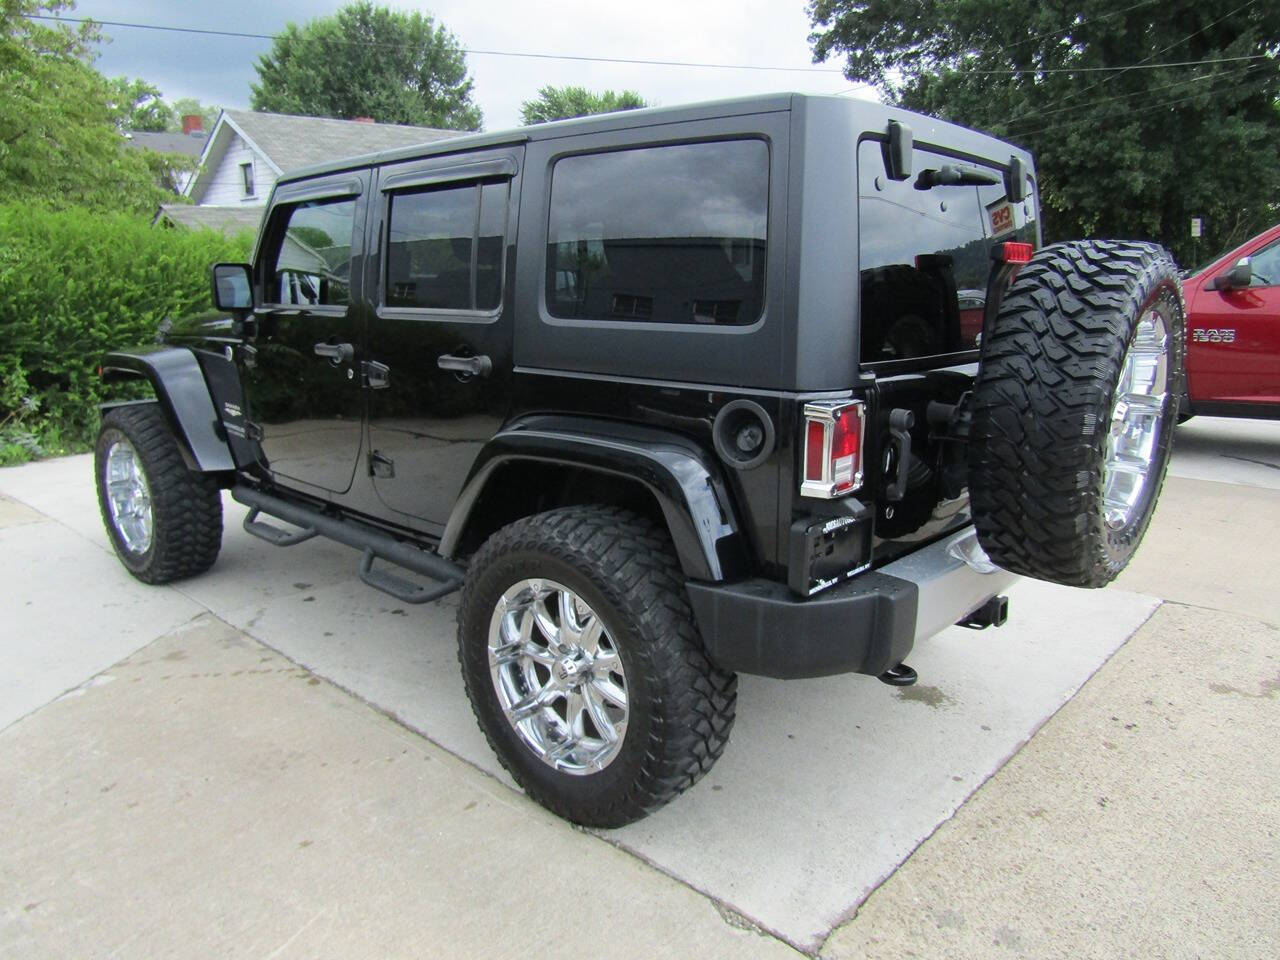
<point>1233,332</point>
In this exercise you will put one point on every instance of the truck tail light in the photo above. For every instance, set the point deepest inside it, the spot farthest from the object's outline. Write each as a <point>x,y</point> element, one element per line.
<point>832,448</point>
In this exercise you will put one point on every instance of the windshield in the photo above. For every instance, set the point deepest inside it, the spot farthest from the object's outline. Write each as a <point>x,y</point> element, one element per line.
<point>925,251</point>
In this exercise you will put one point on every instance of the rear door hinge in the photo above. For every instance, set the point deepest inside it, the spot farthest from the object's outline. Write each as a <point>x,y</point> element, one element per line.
<point>380,465</point>
<point>253,432</point>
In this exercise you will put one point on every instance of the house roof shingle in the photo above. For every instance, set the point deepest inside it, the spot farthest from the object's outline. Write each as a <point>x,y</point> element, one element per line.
<point>165,142</point>
<point>293,142</point>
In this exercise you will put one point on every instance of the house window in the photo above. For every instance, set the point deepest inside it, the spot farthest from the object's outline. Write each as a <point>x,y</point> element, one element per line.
<point>246,173</point>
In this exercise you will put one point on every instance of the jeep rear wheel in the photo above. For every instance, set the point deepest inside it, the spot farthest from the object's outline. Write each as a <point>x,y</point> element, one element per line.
<point>164,520</point>
<point>1074,408</point>
<point>584,669</point>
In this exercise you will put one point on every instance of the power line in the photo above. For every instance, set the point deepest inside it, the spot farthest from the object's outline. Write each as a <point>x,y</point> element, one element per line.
<point>1147,91</point>
<point>1074,25</point>
<point>1142,65</point>
<point>1022,135</point>
<point>1122,69</point>
<point>1108,79</point>
<point>466,50</point>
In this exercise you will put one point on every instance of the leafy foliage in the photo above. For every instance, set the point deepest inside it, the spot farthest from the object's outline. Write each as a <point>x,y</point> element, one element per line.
<point>58,142</point>
<point>1131,153</point>
<point>188,106</point>
<point>137,105</point>
<point>74,285</point>
<point>563,103</point>
<point>367,61</point>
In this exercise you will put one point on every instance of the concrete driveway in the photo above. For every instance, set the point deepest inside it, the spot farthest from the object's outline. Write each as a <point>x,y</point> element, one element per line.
<point>179,778</point>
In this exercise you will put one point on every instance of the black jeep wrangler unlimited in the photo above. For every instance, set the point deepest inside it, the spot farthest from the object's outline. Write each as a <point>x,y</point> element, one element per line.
<point>669,395</point>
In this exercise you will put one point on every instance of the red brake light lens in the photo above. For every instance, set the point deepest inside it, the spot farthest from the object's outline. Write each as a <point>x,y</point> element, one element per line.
<point>846,447</point>
<point>1018,252</point>
<point>832,448</point>
<point>815,439</point>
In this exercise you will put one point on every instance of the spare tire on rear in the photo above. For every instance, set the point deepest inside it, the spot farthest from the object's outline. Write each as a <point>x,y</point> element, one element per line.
<point>1074,408</point>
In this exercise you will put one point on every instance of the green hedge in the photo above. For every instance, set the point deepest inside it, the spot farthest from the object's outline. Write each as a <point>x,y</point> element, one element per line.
<point>74,285</point>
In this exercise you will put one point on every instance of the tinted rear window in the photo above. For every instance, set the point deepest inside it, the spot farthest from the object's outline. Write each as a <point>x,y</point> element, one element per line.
<point>672,234</point>
<point>925,255</point>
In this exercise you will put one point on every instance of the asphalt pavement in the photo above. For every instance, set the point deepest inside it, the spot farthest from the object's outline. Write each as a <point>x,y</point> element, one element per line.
<point>274,760</point>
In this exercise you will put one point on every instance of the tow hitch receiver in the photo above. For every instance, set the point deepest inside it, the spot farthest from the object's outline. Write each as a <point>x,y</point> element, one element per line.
<point>993,613</point>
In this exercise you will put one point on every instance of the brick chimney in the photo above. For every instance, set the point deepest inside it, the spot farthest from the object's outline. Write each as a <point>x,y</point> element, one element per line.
<point>192,124</point>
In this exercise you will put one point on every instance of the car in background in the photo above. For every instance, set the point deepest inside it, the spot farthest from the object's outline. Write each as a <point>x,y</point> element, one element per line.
<point>973,304</point>
<point>1233,332</point>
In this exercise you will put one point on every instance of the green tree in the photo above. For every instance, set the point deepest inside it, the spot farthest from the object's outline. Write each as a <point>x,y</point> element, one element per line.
<point>58,142</point>
<point>1133,152</point>
<point>190,106</point>
<point>563,103</point>
<point>367,61</point>
<point>137,105</point>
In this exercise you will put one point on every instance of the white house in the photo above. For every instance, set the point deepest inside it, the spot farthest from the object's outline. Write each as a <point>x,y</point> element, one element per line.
<point>189,143</point>
<point>246,152</point>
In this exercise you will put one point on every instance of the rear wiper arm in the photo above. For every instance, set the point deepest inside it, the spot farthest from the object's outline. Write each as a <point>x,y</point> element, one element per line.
<point>952,176</point>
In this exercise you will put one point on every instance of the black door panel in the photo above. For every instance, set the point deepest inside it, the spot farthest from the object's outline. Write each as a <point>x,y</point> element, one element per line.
<point>303,390</point>
<point>440,286</point>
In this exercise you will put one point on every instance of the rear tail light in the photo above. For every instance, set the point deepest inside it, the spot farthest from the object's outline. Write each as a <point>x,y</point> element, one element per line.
<point>1011,252</point>
<point>832,448</point>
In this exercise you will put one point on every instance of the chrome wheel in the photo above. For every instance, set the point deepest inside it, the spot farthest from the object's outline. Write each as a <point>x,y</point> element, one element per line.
<point>128,497</point>
<point>1136,421</point>
<point>558,676</point>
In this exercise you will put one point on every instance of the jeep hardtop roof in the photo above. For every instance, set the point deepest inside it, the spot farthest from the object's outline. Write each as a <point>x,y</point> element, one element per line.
<point>862,114</point>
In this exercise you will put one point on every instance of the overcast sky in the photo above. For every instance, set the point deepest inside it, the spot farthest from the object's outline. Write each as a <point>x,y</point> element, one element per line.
<point>219,70</point>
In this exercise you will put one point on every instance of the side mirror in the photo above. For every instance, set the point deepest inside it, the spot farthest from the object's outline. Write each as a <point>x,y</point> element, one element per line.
<point>1238,277</point>
<point>232,286</point>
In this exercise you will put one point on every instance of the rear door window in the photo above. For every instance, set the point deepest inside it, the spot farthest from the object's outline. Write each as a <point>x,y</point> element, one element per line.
<point>925,255</point>
<point>444,248</point>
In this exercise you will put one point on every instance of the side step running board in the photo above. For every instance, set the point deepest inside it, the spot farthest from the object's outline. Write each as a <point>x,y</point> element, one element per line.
<point>271,534</point>
<point>374,543</point>
<point>400,588</point>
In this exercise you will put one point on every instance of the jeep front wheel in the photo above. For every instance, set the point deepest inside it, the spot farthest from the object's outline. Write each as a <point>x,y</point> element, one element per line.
<point>583,666</point>
<point>164,520</point>
<point>1074,408</point>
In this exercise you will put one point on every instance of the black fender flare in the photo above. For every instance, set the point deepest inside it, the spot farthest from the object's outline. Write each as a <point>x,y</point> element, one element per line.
<point>183,395</point>
<point>684,480</point>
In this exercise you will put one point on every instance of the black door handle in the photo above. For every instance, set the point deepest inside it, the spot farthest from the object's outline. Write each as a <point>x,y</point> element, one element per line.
<point>480,366</point>
<point>336,352</point>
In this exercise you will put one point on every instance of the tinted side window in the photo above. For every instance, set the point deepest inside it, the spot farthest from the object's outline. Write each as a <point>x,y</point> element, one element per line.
<point>1266,267</point>
<point>444,247</point>
<point>311,263</point>
<point>672,234</point>
<point>925,255</point>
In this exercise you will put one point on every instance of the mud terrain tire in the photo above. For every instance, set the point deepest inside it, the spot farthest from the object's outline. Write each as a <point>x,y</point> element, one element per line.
<point>183,532</point>
<point>1074,408</point>
<point>621,570</point>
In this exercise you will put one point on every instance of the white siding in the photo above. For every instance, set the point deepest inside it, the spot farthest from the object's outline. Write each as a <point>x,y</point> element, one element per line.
<point>226,186</point>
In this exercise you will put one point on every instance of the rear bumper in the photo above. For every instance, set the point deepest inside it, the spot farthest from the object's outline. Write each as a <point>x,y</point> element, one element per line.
<point>864,626</point>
